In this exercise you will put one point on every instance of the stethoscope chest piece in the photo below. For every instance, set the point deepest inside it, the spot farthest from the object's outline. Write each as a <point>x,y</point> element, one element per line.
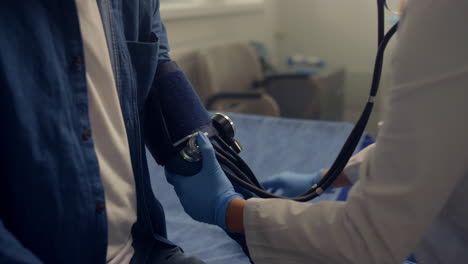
<point>226,130</point>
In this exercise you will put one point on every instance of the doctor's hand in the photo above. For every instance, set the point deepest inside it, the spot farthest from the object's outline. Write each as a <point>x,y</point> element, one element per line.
<point>206,195</point>
<point>291,184</point>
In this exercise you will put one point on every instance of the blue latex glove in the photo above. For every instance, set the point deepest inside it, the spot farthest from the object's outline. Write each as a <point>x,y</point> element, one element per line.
<point>291,184</point>
<point>206,195</point>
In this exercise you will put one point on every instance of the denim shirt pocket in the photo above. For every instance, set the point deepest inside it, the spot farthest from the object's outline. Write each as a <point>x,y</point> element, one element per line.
<point>144,58</point>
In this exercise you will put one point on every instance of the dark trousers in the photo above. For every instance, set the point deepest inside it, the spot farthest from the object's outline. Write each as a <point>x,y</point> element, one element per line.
<point>161,253</point>
<point>172,256</point>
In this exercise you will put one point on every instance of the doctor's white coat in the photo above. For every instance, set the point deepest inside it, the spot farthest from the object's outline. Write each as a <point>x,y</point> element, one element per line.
<point>411,187</point>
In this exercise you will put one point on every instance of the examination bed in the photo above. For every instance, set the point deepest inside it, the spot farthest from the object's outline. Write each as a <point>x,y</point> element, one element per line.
<point>271,145</point>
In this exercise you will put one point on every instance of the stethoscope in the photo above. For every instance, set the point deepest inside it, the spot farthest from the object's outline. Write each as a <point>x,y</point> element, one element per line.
<point>227,148</point>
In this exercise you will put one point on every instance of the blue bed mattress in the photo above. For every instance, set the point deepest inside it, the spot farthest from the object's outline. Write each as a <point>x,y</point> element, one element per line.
<point>271,145</point>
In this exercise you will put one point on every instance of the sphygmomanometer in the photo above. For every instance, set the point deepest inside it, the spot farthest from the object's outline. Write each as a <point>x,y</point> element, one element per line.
<point>177,115</point>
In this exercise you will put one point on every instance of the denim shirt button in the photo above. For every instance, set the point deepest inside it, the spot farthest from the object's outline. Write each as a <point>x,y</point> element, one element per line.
<point>78,61</point>
<point>100,207</point>
<point>86,134</point>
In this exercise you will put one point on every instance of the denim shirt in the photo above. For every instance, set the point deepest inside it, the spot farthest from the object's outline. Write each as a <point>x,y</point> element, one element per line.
<point>51,196</point>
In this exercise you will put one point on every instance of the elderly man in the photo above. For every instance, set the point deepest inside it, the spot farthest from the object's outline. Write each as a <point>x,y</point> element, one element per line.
<point>74,76</point>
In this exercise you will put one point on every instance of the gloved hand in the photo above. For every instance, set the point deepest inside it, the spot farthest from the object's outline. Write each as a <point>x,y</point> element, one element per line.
<point>291,184</point>
<point>206,195</point>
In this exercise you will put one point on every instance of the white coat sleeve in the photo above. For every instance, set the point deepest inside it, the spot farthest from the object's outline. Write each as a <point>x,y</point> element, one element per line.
<point>404,184</point>
<point>405,181</point>
<point>352,168</point>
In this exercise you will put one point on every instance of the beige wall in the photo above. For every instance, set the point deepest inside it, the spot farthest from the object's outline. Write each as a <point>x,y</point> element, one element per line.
<point>220,24</point>
<point>341,32</point>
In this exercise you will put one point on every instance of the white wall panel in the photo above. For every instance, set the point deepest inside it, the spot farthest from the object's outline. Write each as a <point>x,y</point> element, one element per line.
<point>342,33</point>
<point>200,27</point>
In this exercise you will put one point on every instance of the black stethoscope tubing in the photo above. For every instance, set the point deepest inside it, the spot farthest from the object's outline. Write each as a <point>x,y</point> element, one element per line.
<point>240,173</point>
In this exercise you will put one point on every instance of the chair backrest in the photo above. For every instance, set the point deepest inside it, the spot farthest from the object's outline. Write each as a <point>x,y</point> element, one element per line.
<point>228,68</point>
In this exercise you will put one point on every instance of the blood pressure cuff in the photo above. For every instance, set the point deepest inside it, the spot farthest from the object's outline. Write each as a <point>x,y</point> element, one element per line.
<point>172,111</point>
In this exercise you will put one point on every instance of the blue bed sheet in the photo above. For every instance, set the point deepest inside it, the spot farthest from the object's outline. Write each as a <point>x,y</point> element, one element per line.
<point>271,145</point>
